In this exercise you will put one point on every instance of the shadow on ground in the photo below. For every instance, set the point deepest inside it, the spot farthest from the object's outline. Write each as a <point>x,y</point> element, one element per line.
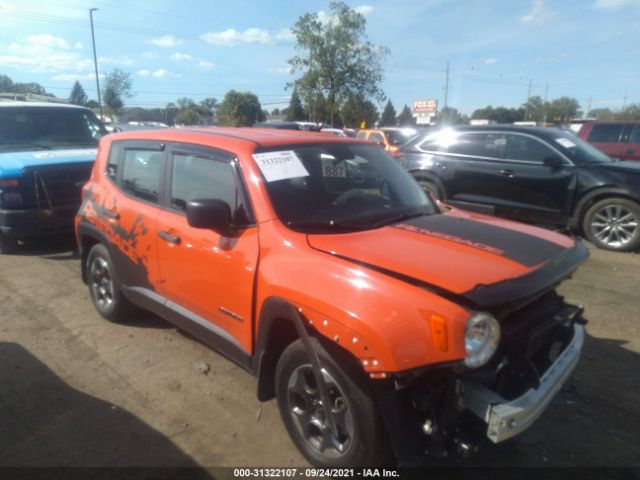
<point>46,423</point>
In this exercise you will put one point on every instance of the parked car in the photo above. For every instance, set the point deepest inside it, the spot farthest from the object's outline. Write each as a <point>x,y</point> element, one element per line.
<point>318,264</point>
<point>334,131</point>
<point>617,139</point>
<point>539,175</point>
<point>388,137</point>
<point>46,154</point>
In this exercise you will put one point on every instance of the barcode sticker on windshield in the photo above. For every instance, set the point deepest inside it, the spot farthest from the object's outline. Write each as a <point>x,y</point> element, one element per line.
<point>280,165</point>
<point>565,142</point>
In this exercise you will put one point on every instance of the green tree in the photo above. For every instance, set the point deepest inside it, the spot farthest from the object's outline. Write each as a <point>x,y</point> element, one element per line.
<point>631,112</point>
<point>78,96</point>
<point>356,110</point>
<point>451,116</point>
<point>405,117</point>
<point>240,108</point>
<point>6,84</point>
<point>188,116</point>
<point>275,112</point>
<point>208,106</point>
<point>117,87</point>
<point>601,114</point>
<point>562,110</point>
<point>295,110</point>
<point>336,59</point>
<point>533,109</point>
<point>388,115</point>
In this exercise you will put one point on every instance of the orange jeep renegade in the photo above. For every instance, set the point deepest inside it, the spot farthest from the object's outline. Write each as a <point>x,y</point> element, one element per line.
<point>386,325</point>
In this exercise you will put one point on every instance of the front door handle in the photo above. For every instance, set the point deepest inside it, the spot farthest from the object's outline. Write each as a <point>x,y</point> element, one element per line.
<point>508,173</point>
<point>166,236</point>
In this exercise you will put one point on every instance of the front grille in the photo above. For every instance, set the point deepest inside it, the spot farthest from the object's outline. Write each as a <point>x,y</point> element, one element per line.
<point>55,186</point>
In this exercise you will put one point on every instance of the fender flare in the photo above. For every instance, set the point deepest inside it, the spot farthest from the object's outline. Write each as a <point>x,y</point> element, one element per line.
<point>583,204</point>
<point>431,177</point>
<point>85,230</point>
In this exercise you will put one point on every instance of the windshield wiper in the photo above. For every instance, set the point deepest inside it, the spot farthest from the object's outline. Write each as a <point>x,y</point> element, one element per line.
<point>34,146</point>
<point>397,218</point>
<point>327,225</point>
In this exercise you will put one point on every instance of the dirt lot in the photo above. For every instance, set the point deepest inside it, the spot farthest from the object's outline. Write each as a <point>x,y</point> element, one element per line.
<point>78,390</point>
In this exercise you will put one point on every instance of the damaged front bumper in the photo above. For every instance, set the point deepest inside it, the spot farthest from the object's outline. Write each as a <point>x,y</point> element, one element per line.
<point>506,419</point>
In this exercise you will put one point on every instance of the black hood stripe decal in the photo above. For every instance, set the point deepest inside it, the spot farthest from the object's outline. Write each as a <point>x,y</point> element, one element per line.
<point>526,249</point>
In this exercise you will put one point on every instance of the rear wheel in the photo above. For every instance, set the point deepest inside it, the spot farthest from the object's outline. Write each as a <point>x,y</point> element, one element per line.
<point>359,438</point>
<point>430,188</point>
<point>7,244</point>
<point>104,286</point>
<point>613,224</point>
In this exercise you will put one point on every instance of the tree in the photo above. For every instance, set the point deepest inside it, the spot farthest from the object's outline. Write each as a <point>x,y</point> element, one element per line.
<point>405,117</point>
<point>533,109</point>
<point>6,84</point>
<point>188,116</point>
<point>388,115</point>
<point>336,58</point>
<point>185,102</point>
<point>240,108</point>
<point>117,87</point>
<point>295,110</point>
<point>356,111</point>
<point>632,112</point>
<point>451,116</point>
<point>208,106</point>
<point>601,114</point>
<point>562,110</point>
<point>275,112</point>
<point>78,96</point>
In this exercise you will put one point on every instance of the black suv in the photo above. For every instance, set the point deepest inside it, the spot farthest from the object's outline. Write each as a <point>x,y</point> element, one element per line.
<point>538,175</point>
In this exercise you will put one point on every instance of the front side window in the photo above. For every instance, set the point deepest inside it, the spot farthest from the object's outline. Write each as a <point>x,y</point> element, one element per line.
<point>520,147</point>
<point>346,187</point>
<point>197,178</point>
<point>491,145</point>
<point>605,133</point>
<point>141,173</point>
<point>635,135</point>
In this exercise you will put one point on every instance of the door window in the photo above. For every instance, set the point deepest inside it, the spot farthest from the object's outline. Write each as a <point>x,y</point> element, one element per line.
<point>635,135</point>
<point>376,137</point>
<point>520,147</point>
<point>605,133</point>
<point>197,178</point>
<point>490,145</point>
<point>141,172</point>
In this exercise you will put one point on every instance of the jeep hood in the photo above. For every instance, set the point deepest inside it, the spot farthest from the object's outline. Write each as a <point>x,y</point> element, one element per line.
<point>485,260</point>
<point>12,163</point>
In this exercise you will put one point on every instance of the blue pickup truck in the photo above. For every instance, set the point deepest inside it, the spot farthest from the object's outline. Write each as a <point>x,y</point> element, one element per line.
<point>46,154</point>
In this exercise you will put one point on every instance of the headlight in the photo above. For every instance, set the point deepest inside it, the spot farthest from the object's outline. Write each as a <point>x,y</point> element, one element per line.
<point>481,337</point>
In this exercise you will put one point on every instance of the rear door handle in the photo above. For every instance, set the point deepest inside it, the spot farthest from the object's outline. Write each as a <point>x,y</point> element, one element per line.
<point>166,236</point>
<point>508,173</point>
<point>629,151</point>
<point>112,214</point>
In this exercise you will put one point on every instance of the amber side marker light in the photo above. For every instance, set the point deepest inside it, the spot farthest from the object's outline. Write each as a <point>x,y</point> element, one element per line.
<point>439,332</point>
<point>9,182</point>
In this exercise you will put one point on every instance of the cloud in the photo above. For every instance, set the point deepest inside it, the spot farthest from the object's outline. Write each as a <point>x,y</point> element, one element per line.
<point>74,76</point>
<point>116,60</point>
<point>161,73</point>
<point>206,65</point>
<point>614,4</point>
<point>490,61</point>
<point>181,57</point>
<point>251,36</point>
<point>166,41</point>
<point>144,73</point>
<point>325,18</point>
<point>280,70</point>
<point>78,46</point>
<point>364,9</point>
<point>539,13</point>
<point>149,55</point>
<point>45,53</point>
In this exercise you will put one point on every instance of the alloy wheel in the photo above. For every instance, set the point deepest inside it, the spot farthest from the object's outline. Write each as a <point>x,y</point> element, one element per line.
<point>101,283</point>
<point>614,225</point>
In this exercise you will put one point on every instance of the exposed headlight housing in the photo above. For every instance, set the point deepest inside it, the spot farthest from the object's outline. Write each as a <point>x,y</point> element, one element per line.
<point>481,338</point>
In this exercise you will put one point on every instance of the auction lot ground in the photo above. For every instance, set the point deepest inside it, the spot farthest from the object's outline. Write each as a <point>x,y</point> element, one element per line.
<point>76,390</point>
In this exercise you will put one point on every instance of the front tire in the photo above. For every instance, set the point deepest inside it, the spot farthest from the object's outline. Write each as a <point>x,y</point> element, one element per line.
<point>104,287</point>
<point>430,188</point>
<point>613,224</point>
<point>360,438</point>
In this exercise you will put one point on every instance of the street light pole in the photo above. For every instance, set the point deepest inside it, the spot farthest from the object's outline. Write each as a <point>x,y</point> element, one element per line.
<point>95,60</point>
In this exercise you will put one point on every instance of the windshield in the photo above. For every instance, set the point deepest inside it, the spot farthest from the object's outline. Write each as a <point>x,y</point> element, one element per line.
<point>398,137</point>
<point>347,187</point>
<point>579,151</point>
<point>48,128</point>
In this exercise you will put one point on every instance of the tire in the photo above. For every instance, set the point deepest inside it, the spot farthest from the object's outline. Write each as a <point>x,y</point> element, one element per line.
<point>613,224</point>
<point>362,440</point>
<point>104,287</point>
<point>431,188</point>
<point>8,245</point>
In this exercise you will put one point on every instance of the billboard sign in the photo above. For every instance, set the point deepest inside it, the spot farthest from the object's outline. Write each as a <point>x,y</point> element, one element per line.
<point>428,106</point>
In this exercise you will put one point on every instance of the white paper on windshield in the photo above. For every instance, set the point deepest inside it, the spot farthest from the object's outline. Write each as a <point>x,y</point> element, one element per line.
<point>280,165</point>
<point>565,142</point>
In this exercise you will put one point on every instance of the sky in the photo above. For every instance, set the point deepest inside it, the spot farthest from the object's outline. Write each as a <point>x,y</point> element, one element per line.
<point>586,49</point>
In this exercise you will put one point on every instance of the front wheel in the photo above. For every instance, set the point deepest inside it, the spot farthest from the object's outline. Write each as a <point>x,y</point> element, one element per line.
<point>430,188</point>
<point>359,438</point>
<point>613,224</point>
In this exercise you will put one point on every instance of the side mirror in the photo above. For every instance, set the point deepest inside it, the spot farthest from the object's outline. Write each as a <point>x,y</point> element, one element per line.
<point>553,161</point>
<point>208,213</point>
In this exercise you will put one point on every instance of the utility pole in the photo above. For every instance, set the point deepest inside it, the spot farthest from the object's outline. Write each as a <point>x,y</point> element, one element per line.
<point>544,108</point>
<point>95,60</point>
<point>588,108</point>
<point>526,111</point>
<point>446,92</point>
<point>624,100</point>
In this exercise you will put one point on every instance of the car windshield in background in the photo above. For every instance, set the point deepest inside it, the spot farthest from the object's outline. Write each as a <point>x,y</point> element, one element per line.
<point>347,187</point>
<point>579,151</point>
<point>48,128</point>
<point>398,137</point>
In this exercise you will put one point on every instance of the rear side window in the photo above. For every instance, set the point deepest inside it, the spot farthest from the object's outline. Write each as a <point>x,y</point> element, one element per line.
<point>196,178</point>
<point>635,135</point>
<point>362,135</point>
<point>376,137</point>
<point>141,172</point>
<point>490,145</point>
<point>527,149</point>
<point>605,133</point>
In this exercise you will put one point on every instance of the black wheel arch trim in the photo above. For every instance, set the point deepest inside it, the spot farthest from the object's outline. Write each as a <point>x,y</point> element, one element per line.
<point>592,196</point>
<point>431,177</point>
<point>88,230</point>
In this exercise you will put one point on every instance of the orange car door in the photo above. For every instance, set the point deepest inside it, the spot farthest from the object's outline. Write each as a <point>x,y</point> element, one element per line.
<point>206,276</point>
